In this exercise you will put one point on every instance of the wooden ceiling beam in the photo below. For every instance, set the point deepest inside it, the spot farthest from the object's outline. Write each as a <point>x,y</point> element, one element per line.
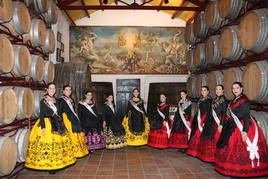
<point>198,3</point>
<point>68,15</point>
<point>65,3</point>
<point>167,8</point>
<point>101,4</point>
<point>161,3</point>
<point>87,13</point>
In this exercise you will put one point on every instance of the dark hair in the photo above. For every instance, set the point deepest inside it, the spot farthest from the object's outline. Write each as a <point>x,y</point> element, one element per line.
<point>110,94</point>
<point>89,91</point>
<point>164,95</point>
<point>238,83</point>
<point>66,86</point>
<point>51,83</point>
<point>205,87</point>
<point>135,90</point>
<point>184,91</point>
<point>222,87</point>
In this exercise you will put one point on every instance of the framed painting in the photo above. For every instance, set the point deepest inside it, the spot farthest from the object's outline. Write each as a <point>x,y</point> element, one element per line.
<point>129,50</point>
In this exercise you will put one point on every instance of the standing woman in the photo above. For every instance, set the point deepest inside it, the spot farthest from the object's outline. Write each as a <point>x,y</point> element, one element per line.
<point>135,122</point>
<point>72,122</point>
<point>210,134</point>
<point>242,149</point>
<point>203,115</point>
<point>50,147</point>
<point>181,127</point>
<point>114,131</point>
<point>160,125</point>
<point>91,122</point>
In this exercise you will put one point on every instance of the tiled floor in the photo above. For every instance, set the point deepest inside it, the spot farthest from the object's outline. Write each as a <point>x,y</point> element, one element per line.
<point>133,163</point>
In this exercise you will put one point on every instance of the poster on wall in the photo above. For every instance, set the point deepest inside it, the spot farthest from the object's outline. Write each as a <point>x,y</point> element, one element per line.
<point>129,50</point>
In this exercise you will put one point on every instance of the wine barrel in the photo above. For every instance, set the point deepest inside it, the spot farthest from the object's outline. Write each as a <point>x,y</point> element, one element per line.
<point>8,155</point>
<point>231,75</point>
<point>199,56</point>
<point>37,98</point>
<point>229,44</point>
<point>230,9</point>
<point>23,61</point>
<point>37,69</point>
<point>190,86</point>
<point>190,60</point>
<point>28,3</point>
<point>25,101</point>
<point>22,140</point>
<point>51,16</point>
<point>255,81</point>
<point>189,36</point>
<point>5,10</point>
<point>212,17</point>
<point>41,6</point>
<point>214,78</point>
<point>49,71</point>
<point>200,27</point>
<point>37,34</point>
<point>49,46</point>
<point>8,105</point>
<point>212,50</point>
<point>201,80</point>
<point>7,53</point>
<point>21,21</point>
<point>253,30</point>
<point>262,120</point>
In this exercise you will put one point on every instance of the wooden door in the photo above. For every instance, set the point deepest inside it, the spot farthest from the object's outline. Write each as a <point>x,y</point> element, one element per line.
<point>124,89</point>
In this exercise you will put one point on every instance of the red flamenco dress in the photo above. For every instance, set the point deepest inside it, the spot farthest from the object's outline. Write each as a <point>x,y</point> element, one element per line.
<point>180,133</point>
<point>159,128</point>
<point>203,114</point>
<point>210,133</point>
<point>235,157</point>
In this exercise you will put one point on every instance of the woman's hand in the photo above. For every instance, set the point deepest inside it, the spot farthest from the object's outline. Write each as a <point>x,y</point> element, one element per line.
<point>220,128</point>
<point>43,132</point>
<point>244,136</point>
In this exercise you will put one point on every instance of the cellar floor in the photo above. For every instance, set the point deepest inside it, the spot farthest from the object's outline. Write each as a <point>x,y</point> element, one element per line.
<point>133,162</point>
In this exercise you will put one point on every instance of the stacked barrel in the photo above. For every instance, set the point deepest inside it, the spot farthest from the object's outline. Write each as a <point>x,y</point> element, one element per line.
<point>218,46</point>
<point>26,40</point>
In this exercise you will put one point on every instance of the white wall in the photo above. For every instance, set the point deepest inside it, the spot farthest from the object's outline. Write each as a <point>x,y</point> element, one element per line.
<point>145,80</point>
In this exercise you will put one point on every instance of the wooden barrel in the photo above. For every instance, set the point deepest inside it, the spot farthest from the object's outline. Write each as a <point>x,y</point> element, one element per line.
<point>25,101</point>
<point>255,81</point>
<point>37,69</point>
<point>189,36</point>
<point>200,26</point>
<point>230,9</point>
<point>22,140</point>
<point>41,6</point>
<point>7,53</point>
<point>49,46</point>
<point>212,17</point>
<point>51,16</point>
<point>28,2</point>
<point>199,56</point>
<point>23,61</point>
<point>201,80</point>
<point>21,21</point>
<point>8,105</point>
<point>214,78</point>
<point>229,44</point>
<point>190,60</point>
<point>262,120</point>
<point>37,98</point>
<point>5,10</point>
<point>231,75</point>
<point>49,71</point>
<point>212,50</point>
<point>8,155</point>
<point>190,86</point>
<point>253,30</point>
<point>37,34</point>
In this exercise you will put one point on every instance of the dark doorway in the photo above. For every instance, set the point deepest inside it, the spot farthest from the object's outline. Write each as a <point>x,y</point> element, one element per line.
<point>124,89</point>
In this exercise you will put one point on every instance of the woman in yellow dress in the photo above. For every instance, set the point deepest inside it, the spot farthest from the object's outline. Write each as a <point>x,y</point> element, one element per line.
<point>135,122</point>
<point>72,123</point>
<point>50,147</point>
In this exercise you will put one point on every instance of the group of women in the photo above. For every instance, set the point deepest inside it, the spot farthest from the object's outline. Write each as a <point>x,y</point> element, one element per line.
<point>221,132</point>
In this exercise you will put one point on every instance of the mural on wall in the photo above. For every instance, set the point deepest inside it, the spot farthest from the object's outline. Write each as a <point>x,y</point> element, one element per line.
<point>129,50</point>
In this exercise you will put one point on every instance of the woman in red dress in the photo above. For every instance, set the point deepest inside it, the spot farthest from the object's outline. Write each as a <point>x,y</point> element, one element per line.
<point>203,115</point>
<point>210,134</point>
<point>181,128</point>
<point>242,149</point>
<point>160,125</point>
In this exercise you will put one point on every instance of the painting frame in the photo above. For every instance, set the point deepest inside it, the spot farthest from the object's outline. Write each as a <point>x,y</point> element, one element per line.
<point>185,71</point>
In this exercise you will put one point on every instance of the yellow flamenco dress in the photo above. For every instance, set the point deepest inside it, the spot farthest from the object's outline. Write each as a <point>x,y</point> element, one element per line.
<point>136,124</point>
<point>54,149</point>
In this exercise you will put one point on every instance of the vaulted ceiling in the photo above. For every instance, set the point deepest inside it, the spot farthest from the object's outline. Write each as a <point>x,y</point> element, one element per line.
<point>183,9</point>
